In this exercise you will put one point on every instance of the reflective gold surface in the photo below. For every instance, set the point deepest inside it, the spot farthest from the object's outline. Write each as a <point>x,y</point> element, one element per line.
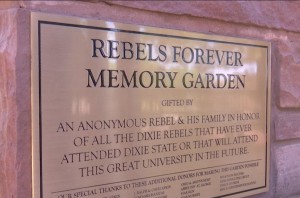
<point>132,111</point>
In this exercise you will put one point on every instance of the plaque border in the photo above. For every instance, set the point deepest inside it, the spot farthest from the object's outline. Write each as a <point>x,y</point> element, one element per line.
<point>267,47</point>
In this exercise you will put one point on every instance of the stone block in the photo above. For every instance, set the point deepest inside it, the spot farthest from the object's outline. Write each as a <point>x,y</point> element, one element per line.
<point>288,170</point>
<point>289,63</point>
<point>15,121</point>
<point>7,103</point>
<point>4,5</point>
<point>287,125</point>
<point>275,14</point>
<point>295,196</point>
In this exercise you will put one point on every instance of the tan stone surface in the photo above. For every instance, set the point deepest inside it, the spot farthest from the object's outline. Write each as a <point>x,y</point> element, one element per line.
<point>4,5</point>
<point>15,124</point>
<point>288,170</point>
<point>289,61</point>
<point>7,104</point>
<point>287,125</point>
<point>273,14</point>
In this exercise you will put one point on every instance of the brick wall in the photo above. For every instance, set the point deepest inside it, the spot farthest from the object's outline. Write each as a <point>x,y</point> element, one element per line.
<point>277,22</point>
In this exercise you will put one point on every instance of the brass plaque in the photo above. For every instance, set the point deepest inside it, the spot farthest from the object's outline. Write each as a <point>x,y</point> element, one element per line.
<point>131,111</point>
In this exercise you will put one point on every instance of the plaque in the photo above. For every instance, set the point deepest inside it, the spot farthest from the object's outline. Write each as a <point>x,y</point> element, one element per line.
<point>131,111</point>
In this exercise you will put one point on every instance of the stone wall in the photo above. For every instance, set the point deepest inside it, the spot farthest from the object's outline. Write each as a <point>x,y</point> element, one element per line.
<point>277,22</point>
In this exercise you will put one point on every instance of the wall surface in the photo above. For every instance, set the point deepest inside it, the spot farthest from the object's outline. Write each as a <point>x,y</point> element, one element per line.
<point>277,22</point>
